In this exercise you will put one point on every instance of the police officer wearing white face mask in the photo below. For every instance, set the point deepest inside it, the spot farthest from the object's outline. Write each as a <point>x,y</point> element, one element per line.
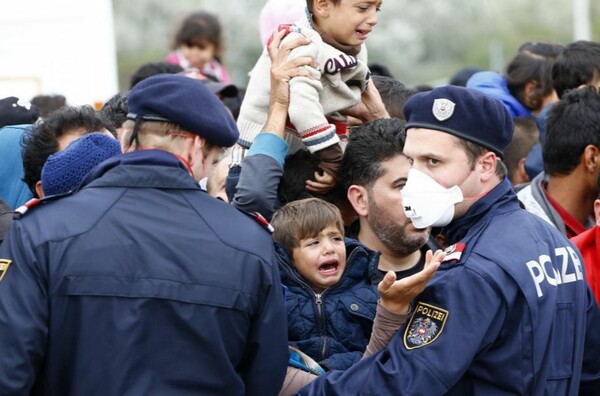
<point>509,310</point>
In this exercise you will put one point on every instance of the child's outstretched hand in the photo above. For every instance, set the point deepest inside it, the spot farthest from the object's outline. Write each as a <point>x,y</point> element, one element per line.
<point>396,295</point>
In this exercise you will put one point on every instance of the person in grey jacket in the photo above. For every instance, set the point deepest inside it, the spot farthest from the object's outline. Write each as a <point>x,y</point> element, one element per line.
<point>564,194</point>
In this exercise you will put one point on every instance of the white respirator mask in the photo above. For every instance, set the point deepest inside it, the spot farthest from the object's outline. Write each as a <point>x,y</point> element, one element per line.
<point>426,202</point>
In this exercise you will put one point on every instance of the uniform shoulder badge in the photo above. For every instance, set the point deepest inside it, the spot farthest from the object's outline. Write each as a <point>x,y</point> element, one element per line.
<point>35,202</point>
<point>454,252</point>
<point>426,324</point>
<point>442,109</point>
<point>4,264</point>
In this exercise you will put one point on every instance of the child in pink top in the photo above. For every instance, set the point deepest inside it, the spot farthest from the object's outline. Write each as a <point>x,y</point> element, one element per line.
<point>199,44</point>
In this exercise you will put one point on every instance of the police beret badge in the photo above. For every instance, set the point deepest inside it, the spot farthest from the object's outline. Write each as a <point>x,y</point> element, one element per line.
<point>426,324</point>
<point>4,264</point>
<point>443,109</point>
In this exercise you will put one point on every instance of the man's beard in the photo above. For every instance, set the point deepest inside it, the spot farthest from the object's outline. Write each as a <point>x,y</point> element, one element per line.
<point>393,235</point>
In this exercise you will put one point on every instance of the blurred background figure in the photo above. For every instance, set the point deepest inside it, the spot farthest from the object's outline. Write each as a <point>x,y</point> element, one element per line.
<point>16,117</point>
<point>15,111</point>
<point>525,87</point>
<point>150,69</point>
<point>199,44</point>
<point>461,77</point>
<point>48,103</point>
<point>525,137</point>
<point>393,94</point>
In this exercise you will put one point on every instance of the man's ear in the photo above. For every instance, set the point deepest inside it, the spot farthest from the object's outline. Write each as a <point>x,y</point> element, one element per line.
<point>520,175</point>
<point>193,147</point>
<point>359,199</point>
<point>488,163</point>
<point>591,158</point>
<point>39,190</point>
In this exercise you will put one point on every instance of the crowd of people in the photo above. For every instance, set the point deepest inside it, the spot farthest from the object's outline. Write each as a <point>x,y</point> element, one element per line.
<point>325,230</point>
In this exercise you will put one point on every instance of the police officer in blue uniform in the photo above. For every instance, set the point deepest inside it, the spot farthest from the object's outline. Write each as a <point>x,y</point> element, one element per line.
<point>140,283</point>
<point>509,310</point>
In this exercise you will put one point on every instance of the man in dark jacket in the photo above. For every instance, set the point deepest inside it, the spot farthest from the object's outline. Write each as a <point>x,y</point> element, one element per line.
<point>141,283</point>
<point>508,311</point>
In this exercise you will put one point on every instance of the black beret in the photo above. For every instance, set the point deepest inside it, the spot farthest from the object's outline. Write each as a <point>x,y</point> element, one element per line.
<point>186,102</point>
<point>462,112</point>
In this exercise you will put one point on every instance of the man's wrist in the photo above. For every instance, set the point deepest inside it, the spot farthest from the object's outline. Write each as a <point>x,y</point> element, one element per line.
<point>395,308</point>
<point>276,120</point>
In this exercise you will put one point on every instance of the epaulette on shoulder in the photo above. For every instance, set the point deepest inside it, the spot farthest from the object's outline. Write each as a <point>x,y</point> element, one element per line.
<point>259,219</point>
<point>454,252</point>
<point>36,202</point>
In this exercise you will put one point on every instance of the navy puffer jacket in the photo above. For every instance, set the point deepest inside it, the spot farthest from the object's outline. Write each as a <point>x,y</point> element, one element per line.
<point>332,327</point>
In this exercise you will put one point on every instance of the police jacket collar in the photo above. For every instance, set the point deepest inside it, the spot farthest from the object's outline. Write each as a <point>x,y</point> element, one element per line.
<point>142,168</point>
<point>502,198</point>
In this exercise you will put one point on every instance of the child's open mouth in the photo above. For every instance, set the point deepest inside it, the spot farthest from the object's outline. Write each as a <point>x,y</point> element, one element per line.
<point>362,34</point>
<point>329,267</point>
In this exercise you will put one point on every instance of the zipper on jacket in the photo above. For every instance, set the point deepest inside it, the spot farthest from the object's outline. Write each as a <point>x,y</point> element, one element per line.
<point>321,323</point>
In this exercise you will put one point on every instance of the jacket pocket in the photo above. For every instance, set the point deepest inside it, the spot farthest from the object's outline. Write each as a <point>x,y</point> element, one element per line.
<point>560,359</point>
<point>194,293</point>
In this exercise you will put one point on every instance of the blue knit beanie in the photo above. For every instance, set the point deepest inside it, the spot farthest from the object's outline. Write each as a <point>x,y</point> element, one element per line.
<point>186,102</point>
<point>64,170</point>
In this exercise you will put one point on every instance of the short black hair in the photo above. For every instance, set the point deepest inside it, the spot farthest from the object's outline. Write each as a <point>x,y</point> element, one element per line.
<point>369,145</point>
<point>48,103</point>
<point>42,141</point>
<point>234,104</point>
<point>298,168</point>
<point>461,76</point>
<point>153,68</point>
<point>573,123</point>
<point>114,111</point>
<point>393,94</point>
<point>576,65</point>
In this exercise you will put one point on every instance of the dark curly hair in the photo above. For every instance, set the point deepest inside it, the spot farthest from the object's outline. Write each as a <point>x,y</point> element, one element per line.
<point>42,140</point>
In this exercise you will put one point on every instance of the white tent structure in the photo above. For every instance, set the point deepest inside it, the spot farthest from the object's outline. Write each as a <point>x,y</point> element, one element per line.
<point>62,47</point>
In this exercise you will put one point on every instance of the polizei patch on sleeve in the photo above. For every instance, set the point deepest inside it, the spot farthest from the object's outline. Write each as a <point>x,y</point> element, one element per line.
<point>4,264</point>
<point>426,324</point>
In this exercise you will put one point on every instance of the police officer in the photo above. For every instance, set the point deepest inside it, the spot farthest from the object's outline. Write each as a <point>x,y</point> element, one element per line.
<point>508,311</point>
<point>141,283</point>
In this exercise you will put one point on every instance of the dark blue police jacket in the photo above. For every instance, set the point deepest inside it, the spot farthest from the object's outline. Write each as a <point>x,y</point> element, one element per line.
<point>140,284</point>
<point>508,312</point>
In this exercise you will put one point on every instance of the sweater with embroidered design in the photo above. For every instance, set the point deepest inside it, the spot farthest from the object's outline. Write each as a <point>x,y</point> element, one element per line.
<point>337,83</point>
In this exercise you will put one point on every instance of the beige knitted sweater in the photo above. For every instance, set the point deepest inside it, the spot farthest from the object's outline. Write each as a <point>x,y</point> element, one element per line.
<point>337,83</point>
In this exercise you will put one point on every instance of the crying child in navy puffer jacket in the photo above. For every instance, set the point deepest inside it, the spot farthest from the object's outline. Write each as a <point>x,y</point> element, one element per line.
<point>330,300</point>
